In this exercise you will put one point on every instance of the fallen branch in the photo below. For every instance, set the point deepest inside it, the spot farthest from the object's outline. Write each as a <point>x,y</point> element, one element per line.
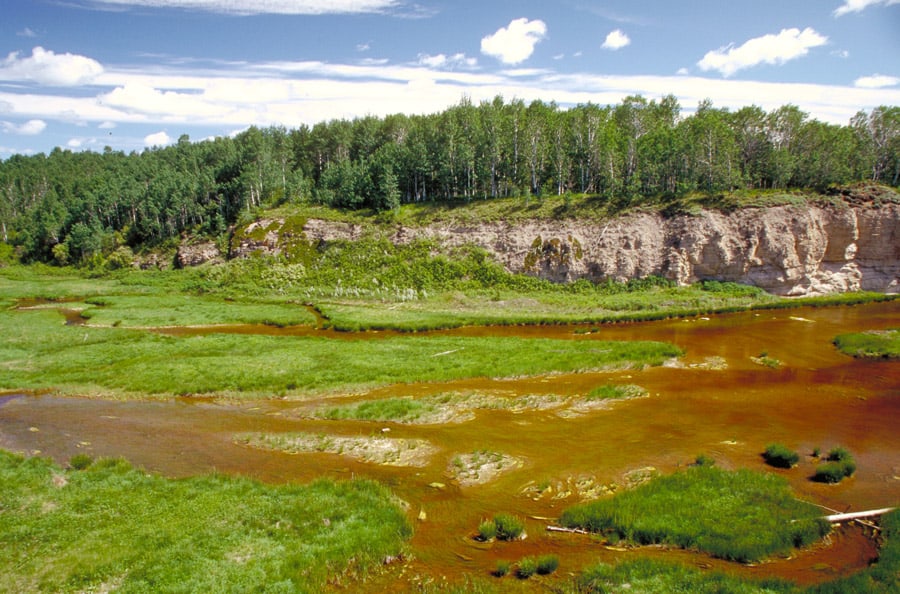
<point>569,530</point>
<point>835,518</point>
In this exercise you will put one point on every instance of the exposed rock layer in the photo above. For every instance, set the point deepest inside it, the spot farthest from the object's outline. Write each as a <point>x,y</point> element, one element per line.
<point>786,250</point>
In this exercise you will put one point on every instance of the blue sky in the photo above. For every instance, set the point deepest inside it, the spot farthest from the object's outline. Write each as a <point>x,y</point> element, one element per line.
<point>85,74</point>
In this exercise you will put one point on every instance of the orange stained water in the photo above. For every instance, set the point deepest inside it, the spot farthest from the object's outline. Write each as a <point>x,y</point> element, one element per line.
<point>817,398</point>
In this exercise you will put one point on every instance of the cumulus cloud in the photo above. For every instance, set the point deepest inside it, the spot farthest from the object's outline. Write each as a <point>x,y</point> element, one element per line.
<point>157,139</point>
<point>444,61</point>
<point>29,128</point>
<point>876,81</point>
<point>515,43</point>
<point>48,68</point>
<point>859,5</point>
<point>768,49</point>
<point>250,7</point>
<point>616,40</point>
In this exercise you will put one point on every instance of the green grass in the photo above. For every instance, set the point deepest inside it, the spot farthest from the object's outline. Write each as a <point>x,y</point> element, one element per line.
<point>401,410</point>
<point>743,515</point>
<point>883,344</point>
<point>509,527</point>
<point>39,352</point>
<point>615,392</point>
<point>650,576</point>
<point>114,527</point>
<point>839,465</point>
<point>780,456</point>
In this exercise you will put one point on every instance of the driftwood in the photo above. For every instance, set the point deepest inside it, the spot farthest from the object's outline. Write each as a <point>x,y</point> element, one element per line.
<point>835,518</point>
<point>569,530</point>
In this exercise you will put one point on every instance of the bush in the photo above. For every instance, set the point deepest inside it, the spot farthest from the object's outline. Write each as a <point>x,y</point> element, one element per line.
<point>502,568</point>
<point>526,567</point>
<point>487,530</point>
<point>780,456</point>
<point>509,527</point>
<point>840,464</point>
<point>547,564</point>
<point>80,461</point>
<point>703,460</point>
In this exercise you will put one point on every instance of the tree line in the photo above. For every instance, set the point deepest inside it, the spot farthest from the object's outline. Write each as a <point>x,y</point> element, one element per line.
<point>70,206</point>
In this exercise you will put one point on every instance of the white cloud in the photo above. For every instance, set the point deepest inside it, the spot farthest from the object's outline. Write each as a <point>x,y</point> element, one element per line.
<point>859,5</point>
<point>616,40</point>
<point>26,32</point>
<point>157,139</point>
<point>107,125</point>
<point>515,43</point>
<point>47,68</point>
<point>29,128</point>
<point>250,7</point>
<point>74,143</point>
<point>683,72</point>
<point>769,49</point>
<point>363,47</point>
<point>444,61</point>
<point>876,81</point>
<point>841,53</point>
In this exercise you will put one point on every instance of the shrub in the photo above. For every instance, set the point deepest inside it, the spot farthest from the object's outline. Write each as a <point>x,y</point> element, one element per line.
<point>839,454</point>
<point>509,527</point>
<point>502,568</point>
<point>80,461</point>
<point>487,530</point>
<point>840,464</point>
<point>829,472</point>
<point>526,567</point>
<point>703,460</point>
<point>547,564</point>
<point>780,456</point>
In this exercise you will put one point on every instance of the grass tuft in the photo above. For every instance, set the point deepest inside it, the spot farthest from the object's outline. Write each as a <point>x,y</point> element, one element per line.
<point>743,516</point>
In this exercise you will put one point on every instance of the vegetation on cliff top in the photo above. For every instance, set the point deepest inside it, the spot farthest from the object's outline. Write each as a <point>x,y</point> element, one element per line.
<point>84,207</point>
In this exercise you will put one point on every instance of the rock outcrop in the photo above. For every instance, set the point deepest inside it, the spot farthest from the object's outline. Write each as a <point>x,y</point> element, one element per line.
<point>195,254</point>
<point>786,250</point>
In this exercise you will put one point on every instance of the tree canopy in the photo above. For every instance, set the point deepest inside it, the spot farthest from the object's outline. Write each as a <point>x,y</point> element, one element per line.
<point>68,206</point>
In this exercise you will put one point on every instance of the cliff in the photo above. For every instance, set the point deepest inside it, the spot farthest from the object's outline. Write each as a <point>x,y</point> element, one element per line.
<point>786,250</point>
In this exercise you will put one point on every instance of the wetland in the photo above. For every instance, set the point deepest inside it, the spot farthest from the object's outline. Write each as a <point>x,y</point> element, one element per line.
<point>462,424</point>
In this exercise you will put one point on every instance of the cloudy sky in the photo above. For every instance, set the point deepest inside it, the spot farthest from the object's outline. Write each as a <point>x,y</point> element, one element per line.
<point>86,74</point>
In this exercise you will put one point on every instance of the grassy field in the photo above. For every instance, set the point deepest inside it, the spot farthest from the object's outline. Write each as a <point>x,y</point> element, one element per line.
<point>743,516</point>
<point>871,345</point>
<point>113,527</point>
<point>39,352</point>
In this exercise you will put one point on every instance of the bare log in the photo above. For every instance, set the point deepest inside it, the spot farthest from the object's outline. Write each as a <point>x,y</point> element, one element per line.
<point>835,518</point>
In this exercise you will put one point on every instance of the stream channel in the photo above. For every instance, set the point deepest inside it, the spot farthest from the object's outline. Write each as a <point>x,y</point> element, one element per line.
<point>716,401</point>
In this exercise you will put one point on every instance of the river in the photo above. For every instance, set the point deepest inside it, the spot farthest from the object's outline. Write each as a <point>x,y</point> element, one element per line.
<point>717,401</point>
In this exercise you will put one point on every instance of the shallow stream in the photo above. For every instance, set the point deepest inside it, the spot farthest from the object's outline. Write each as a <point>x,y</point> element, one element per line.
<point>717,401</point>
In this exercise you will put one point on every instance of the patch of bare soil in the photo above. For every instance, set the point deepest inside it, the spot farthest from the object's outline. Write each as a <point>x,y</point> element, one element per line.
<point>374,450</point>
<point>479,467</point>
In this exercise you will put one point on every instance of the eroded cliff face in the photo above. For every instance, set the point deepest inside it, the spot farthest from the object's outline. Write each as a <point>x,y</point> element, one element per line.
<point>786,250</point>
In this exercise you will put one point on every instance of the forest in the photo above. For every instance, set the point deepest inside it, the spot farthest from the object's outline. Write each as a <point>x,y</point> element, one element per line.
<point>69,207</point>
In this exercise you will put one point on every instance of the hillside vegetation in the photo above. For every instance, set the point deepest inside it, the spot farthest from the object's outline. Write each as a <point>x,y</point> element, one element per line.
<point>95,208</point>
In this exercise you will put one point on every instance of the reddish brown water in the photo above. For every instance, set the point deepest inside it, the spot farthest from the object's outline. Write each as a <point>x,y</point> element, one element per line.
<point>817,398</point>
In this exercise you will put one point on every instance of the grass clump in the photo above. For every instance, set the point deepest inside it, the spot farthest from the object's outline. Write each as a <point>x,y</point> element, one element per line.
<point>780,456</point>
<point>113,526</point>
<point>547,564</point>
<point>502,568</point>
<point>614,392</point>
<point>509,527</point>
<point>743,515</point>
<point>487,530</point>
<point>80,461</point>
<point>876,344</point>
<point>526,567</point>
<point>838,466</point>
<point>401,410</point>
<point>651,576</point>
